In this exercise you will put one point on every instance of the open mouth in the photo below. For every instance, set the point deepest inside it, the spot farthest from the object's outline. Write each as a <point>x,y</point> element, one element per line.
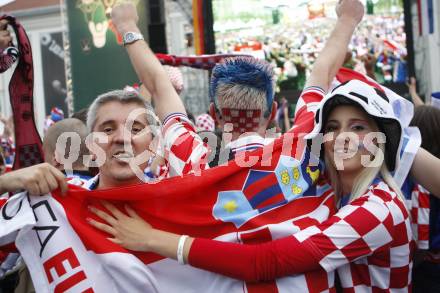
<point>344,151</point>
<point>123,156</point>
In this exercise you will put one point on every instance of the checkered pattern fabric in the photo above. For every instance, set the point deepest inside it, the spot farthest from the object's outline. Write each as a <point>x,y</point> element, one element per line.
<point>29,155</point>
<point>369,242</point>
<point>204,122</point>
<point>419,207</point>
<point>242,120</point>
<point>176,78</point>
<point>199,62</point>
<point>184,151</point>
<point>308,102</point>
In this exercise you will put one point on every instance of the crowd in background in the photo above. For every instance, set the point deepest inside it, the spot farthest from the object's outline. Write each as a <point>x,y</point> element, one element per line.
<point>377,50</point>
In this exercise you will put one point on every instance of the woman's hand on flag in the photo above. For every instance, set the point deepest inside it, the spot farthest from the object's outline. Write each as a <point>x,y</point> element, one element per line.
<point>134,233</point>
<point>128,230</point>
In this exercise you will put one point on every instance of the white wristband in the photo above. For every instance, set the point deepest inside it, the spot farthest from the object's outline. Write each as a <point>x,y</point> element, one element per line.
<point>180,248</point>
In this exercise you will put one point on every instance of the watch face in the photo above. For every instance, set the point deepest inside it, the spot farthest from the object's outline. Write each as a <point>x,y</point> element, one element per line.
<point>129,37</point>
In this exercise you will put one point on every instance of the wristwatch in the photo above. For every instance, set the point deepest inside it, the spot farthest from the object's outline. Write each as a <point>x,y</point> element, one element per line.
<point>131,37</point>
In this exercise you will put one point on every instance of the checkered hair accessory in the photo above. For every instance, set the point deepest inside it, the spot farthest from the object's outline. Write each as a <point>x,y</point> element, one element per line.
<point>246,71</point>
<point>204,122</point>
<point>206,62</point>
<point>242,120</point>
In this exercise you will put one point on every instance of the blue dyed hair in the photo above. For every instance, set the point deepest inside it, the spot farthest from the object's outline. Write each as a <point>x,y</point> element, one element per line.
<point>246,71</point>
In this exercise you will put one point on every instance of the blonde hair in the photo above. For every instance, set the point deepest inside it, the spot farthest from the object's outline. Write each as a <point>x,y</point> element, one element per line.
<point>365,179</point>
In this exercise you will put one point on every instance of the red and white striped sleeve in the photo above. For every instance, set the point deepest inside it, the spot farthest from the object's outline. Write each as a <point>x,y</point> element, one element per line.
<point>184,150</point>
<point>308,102</point>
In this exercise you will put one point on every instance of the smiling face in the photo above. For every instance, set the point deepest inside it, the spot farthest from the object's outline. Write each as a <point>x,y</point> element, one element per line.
<point>112,119</point>
<point>343,125</point>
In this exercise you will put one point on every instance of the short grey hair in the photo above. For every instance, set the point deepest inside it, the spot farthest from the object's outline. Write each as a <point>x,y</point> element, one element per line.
<point>124,97</point>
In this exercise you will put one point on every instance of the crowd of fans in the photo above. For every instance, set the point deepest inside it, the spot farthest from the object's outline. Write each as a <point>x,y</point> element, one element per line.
<point>242,95</point>
<point>378,48</point>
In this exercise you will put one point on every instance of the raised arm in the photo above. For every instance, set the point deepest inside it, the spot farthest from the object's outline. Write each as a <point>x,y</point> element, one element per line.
<point>331,58</point>
<point>329,61</point>
<point>146,65</point>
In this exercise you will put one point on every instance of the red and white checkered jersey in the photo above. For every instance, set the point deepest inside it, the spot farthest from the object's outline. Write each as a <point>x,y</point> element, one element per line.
<point>317,280</point>
<point>369,242</point>
<point>184,150</point>
<point>308,103</point>
<point>419,208</point>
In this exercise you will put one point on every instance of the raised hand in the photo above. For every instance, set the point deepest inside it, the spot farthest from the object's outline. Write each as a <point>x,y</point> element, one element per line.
<point>125,17</point>
<point>351,10</point>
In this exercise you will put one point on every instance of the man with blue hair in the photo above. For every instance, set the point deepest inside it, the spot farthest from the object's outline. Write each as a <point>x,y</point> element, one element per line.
<point>242,92</point>
<point>242,101</point>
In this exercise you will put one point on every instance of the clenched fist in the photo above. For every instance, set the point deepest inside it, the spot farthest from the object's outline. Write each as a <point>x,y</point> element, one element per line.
<point>352,10</point>
<point>125,17</point>
<point>37,180</point>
